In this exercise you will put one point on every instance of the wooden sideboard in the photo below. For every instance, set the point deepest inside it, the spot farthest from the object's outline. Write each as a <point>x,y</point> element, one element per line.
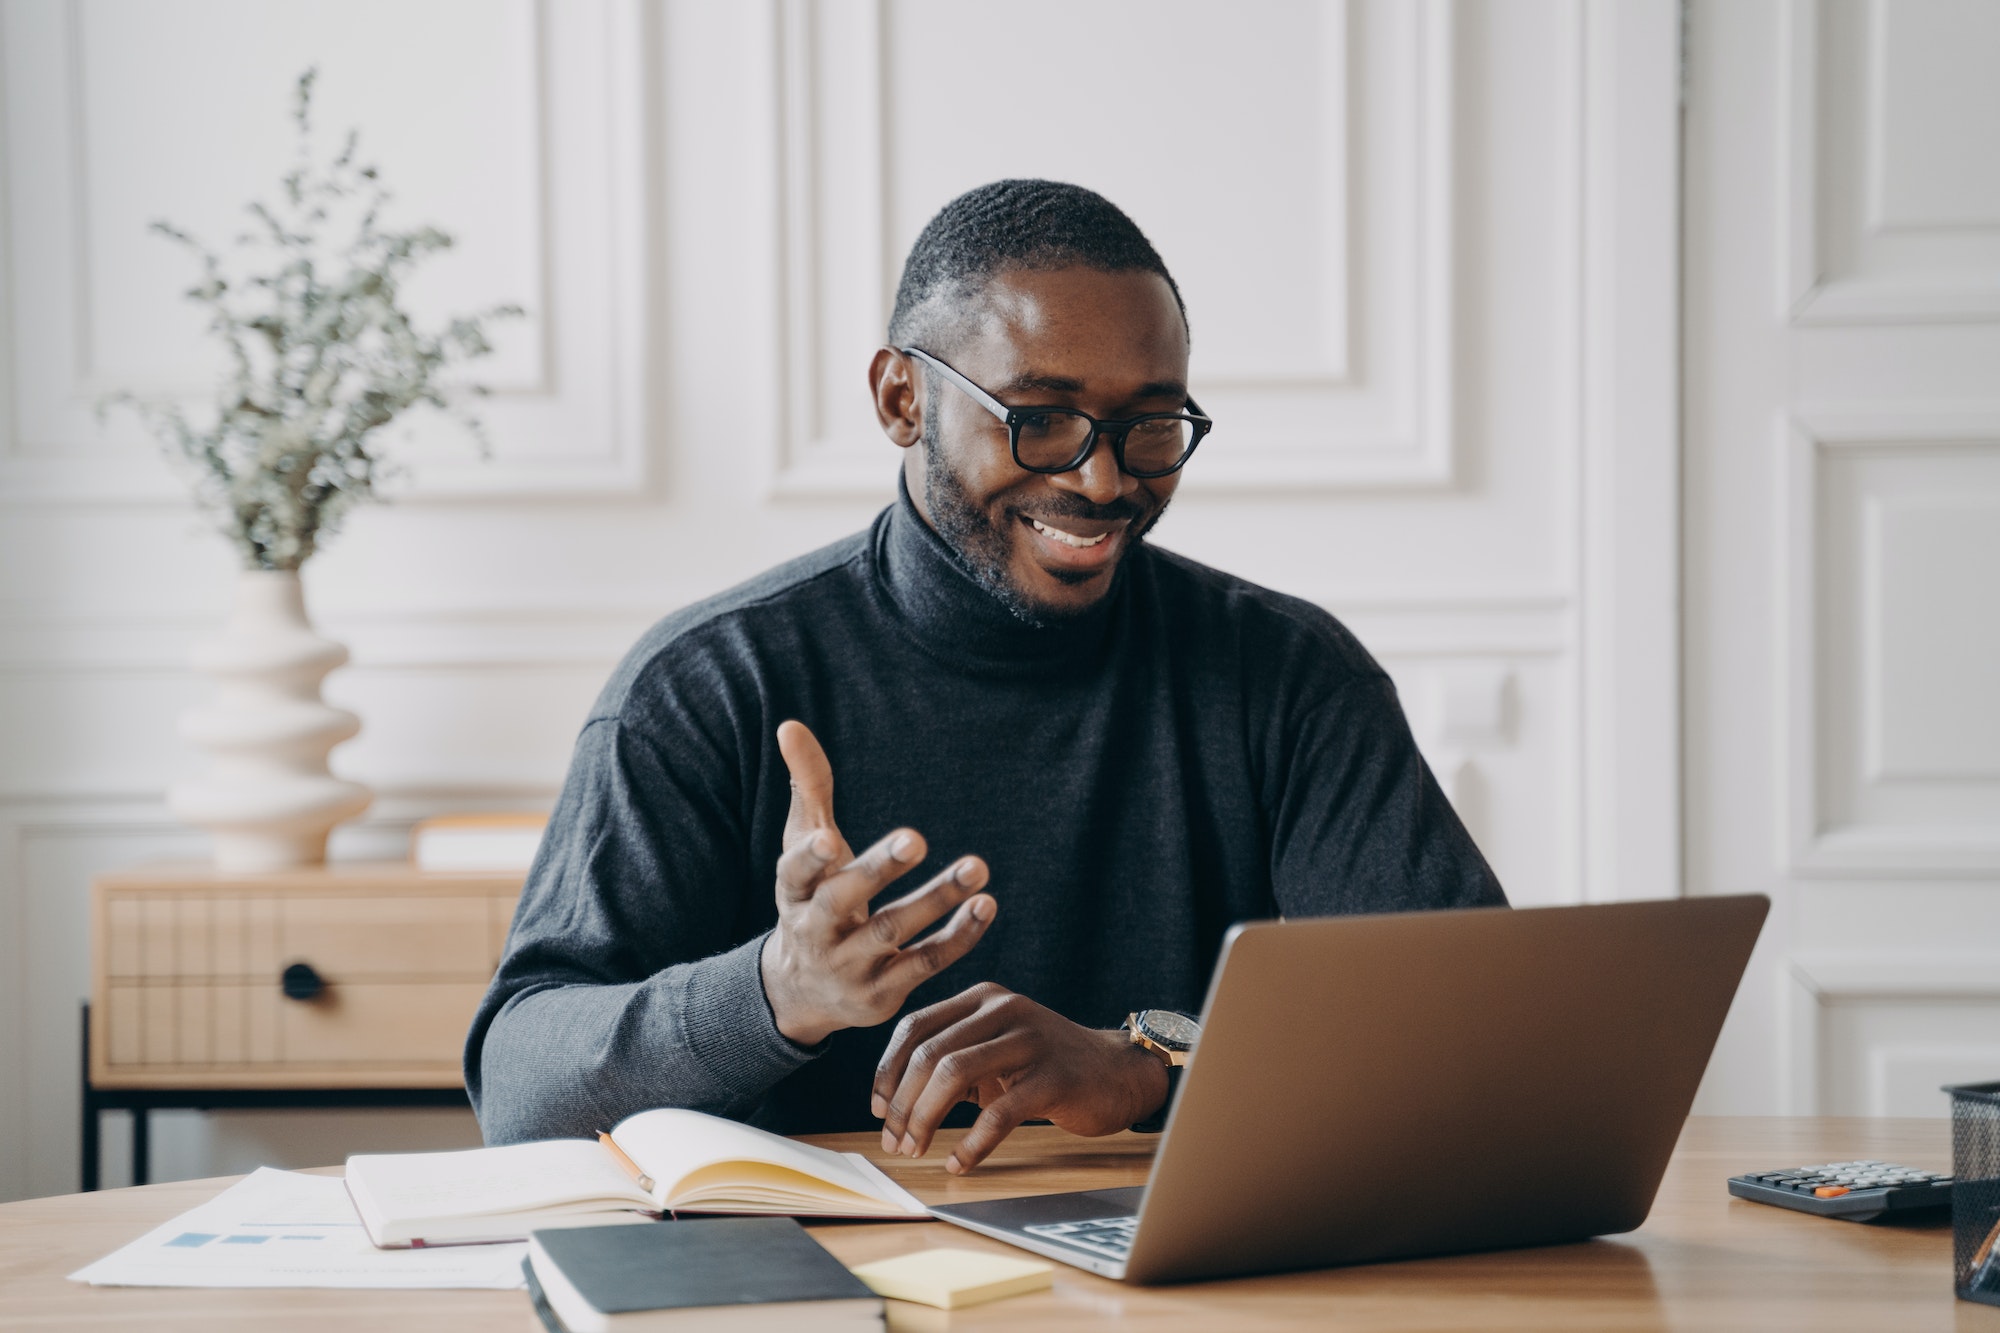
<point>334,985</point>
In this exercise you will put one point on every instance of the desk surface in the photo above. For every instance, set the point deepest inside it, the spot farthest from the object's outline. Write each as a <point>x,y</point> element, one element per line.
<point>1702,1261</point>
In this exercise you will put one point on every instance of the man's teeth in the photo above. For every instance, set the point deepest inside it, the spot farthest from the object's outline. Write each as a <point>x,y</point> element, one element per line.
<point>1067,538</point>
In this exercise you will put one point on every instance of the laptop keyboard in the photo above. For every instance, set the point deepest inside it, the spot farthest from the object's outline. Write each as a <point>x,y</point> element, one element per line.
<point>1108,1236</point>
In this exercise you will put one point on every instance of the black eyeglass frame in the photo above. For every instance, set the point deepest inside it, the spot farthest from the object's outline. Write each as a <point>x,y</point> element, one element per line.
<point>1199,424</point>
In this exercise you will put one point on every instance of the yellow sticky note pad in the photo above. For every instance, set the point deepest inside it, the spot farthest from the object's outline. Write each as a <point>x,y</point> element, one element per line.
<point>954,1279</point>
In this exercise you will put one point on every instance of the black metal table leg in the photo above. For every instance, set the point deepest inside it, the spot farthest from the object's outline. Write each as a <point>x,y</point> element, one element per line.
<point>90,1148</point>
<point>141,1146</point>
<point>90,1113</point>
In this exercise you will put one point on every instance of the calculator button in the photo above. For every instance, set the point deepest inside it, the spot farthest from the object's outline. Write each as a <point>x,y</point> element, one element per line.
<point>1830,1191</point>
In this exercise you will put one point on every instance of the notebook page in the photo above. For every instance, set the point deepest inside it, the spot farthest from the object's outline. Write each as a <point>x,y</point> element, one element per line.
<point>670,1144</point>
<point>482,1182</point>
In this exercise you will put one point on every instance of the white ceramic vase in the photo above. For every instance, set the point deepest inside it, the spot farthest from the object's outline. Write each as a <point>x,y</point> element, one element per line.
<point>268,798</point>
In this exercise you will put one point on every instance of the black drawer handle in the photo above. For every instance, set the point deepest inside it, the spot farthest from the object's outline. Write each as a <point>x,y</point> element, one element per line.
<point>300,982</point>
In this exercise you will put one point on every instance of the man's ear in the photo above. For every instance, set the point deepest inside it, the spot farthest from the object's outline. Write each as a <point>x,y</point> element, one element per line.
<point>899,406</point>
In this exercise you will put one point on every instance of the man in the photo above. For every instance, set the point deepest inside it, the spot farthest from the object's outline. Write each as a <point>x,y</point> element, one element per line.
<point>1089,755</point>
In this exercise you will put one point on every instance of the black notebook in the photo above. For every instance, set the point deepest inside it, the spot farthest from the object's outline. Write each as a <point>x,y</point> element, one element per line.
<point>738,1273</point>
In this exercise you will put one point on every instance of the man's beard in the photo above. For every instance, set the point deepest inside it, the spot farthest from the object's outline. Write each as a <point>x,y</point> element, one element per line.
<point>984,550</point>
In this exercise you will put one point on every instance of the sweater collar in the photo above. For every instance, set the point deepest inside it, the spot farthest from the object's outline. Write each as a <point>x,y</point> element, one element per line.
<point>955,618</point>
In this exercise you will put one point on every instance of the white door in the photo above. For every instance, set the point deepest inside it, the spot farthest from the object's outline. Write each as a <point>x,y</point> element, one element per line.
<point>1843,540</point>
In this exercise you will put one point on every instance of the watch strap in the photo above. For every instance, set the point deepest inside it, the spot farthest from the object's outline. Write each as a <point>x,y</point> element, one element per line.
<point>1157,1121</point>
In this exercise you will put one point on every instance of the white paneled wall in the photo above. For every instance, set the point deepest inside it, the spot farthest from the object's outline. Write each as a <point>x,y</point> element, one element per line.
<point>1428,255</point>
<point>529,148</point>
<point>1844,540</point>
<point>1317,137</point>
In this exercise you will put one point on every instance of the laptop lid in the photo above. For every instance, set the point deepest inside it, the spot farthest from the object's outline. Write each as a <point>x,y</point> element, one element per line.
<point>1390,1086</point>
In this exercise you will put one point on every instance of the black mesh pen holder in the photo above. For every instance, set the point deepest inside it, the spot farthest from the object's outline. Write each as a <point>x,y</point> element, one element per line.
<point>1975,1195</point>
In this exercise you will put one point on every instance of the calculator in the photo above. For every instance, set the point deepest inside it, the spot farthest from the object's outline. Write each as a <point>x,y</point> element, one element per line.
<point>1856,1191</point>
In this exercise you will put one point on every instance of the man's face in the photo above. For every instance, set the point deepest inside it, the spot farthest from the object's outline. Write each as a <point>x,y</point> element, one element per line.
<point>1110,344</point>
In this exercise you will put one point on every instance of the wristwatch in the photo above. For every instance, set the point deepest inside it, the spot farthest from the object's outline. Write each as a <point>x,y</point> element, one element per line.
<point>1171,1035</point>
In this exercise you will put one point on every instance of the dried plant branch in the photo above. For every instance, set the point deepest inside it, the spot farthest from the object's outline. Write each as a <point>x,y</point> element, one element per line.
<point>321,356</point>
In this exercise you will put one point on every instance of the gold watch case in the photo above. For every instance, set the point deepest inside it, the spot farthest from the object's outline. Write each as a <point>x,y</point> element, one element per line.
<point>1156,1034</point>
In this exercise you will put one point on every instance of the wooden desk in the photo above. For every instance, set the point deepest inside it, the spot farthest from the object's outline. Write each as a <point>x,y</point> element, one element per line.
<point>1703,1261</point>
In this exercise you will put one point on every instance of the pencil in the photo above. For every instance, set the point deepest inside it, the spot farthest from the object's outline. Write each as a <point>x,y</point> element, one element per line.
<point>645,1181</point>
<point>1983,1268</point>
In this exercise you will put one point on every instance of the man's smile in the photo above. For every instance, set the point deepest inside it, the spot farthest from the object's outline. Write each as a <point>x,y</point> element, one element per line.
<point>1067,538</point>
<point>1076,545</point>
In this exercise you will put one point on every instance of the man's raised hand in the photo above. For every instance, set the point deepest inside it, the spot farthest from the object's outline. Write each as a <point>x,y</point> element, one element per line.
<point>830,963</point>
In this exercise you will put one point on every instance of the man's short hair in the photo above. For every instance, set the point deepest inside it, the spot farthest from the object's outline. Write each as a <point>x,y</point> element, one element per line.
<point>1011,224</point>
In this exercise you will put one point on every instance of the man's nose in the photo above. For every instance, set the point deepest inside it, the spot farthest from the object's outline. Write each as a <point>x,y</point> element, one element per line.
<point>1098,478</point>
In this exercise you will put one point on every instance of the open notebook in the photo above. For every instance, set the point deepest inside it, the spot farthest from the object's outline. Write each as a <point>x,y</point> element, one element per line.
<point>687,1162</point>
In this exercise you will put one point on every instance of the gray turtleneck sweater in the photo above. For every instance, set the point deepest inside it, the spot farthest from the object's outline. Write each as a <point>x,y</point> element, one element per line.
<point>1196,752</point>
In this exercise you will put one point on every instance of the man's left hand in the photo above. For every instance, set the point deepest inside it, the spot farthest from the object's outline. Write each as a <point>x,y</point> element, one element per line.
<point>1017,1060</point>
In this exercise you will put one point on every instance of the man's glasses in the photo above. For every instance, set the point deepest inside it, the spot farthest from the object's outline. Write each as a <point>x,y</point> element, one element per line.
<point>1059,439</point>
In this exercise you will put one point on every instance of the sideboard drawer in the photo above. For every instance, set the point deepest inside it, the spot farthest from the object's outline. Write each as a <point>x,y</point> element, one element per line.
<point>241,937</point>
<point>414,938</point>
<point>384,1023</point>
<point>416,1029</point>
<point>189,980</point>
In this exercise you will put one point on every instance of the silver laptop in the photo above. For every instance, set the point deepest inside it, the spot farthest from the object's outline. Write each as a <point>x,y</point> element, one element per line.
<point>1389,1086</point>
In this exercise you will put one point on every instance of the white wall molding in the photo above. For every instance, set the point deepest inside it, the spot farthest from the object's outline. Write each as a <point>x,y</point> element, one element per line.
<point>1812,844</point>
<point>1457,627</point>
<point>811,457</point>
<point>1629,377</point>
<point>1334,428</point>
<point>1811,982</point>
<point>1811,293</point>
<point>454,640</point>
<point>1898,301</point>
<point>86,384</point>
<point>16,1073</point>
<point>529,637</point>
<point>574,422</point>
